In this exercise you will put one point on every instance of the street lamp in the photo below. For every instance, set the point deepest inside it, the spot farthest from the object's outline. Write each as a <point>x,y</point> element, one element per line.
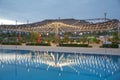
<point>16,33</point>
<point>119,30</point>
<point>16,51</point>
<point>105,14</point>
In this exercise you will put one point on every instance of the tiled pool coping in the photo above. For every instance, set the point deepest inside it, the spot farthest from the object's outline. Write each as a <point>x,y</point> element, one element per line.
<point>108,51</point>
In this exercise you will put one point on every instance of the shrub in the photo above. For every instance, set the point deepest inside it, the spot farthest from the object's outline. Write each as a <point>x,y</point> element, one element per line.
<point>74,45</point>
<point>11,43</point>
<point>37,44</point>
<point>109,46</point>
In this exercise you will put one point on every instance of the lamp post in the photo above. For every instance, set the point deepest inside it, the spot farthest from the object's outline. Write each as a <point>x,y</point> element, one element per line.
<point>119,31</point>
<point>105,14</point>
<point>16,51</point>
<point>27,23</point>
<point>16,33</point>
<point>0,34</point>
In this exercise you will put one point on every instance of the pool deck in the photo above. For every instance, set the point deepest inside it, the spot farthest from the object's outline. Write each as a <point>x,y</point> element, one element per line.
<point>108,51</point>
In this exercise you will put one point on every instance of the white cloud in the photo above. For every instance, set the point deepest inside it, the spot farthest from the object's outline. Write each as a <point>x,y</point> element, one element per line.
<point>9,22</point>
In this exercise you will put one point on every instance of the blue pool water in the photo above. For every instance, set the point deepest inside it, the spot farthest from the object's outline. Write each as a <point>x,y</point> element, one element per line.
<point>39,65</point>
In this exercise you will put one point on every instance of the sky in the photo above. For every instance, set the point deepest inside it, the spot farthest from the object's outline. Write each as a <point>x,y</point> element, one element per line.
<point>38,10</point>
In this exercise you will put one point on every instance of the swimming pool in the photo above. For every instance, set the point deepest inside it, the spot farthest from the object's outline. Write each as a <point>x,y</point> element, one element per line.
<point>50,65</point>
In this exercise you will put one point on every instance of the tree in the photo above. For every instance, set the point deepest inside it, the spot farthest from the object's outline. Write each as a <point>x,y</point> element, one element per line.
<point>115,38</point>
<point>33,36</point>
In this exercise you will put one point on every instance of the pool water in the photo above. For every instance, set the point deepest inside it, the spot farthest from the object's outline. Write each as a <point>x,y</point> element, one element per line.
<point>40,65</point>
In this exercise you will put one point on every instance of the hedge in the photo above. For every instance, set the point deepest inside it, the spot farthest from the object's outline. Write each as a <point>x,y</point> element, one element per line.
<point>74,45</point>
<point>110,46</point>
<point>37,44</point>
<point>11,43</point>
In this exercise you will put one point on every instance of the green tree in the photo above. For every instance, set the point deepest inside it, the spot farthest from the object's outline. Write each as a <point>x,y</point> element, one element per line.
<point>33,36</point>
<point>115,38</point>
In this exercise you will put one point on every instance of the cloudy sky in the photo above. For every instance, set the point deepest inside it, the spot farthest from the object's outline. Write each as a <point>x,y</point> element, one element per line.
<point>38,10</point>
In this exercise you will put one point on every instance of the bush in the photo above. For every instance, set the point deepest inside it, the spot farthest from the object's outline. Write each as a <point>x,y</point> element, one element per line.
<point>110,46</point>
<point>11,43</point>
<point>37,44</point>
<point>74,45</point>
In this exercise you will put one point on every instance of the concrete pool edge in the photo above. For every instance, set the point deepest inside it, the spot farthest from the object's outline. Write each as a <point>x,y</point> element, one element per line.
<point>107,51</point>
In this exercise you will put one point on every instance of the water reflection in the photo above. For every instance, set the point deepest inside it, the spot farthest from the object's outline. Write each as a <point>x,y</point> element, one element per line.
<point>101,66</point>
